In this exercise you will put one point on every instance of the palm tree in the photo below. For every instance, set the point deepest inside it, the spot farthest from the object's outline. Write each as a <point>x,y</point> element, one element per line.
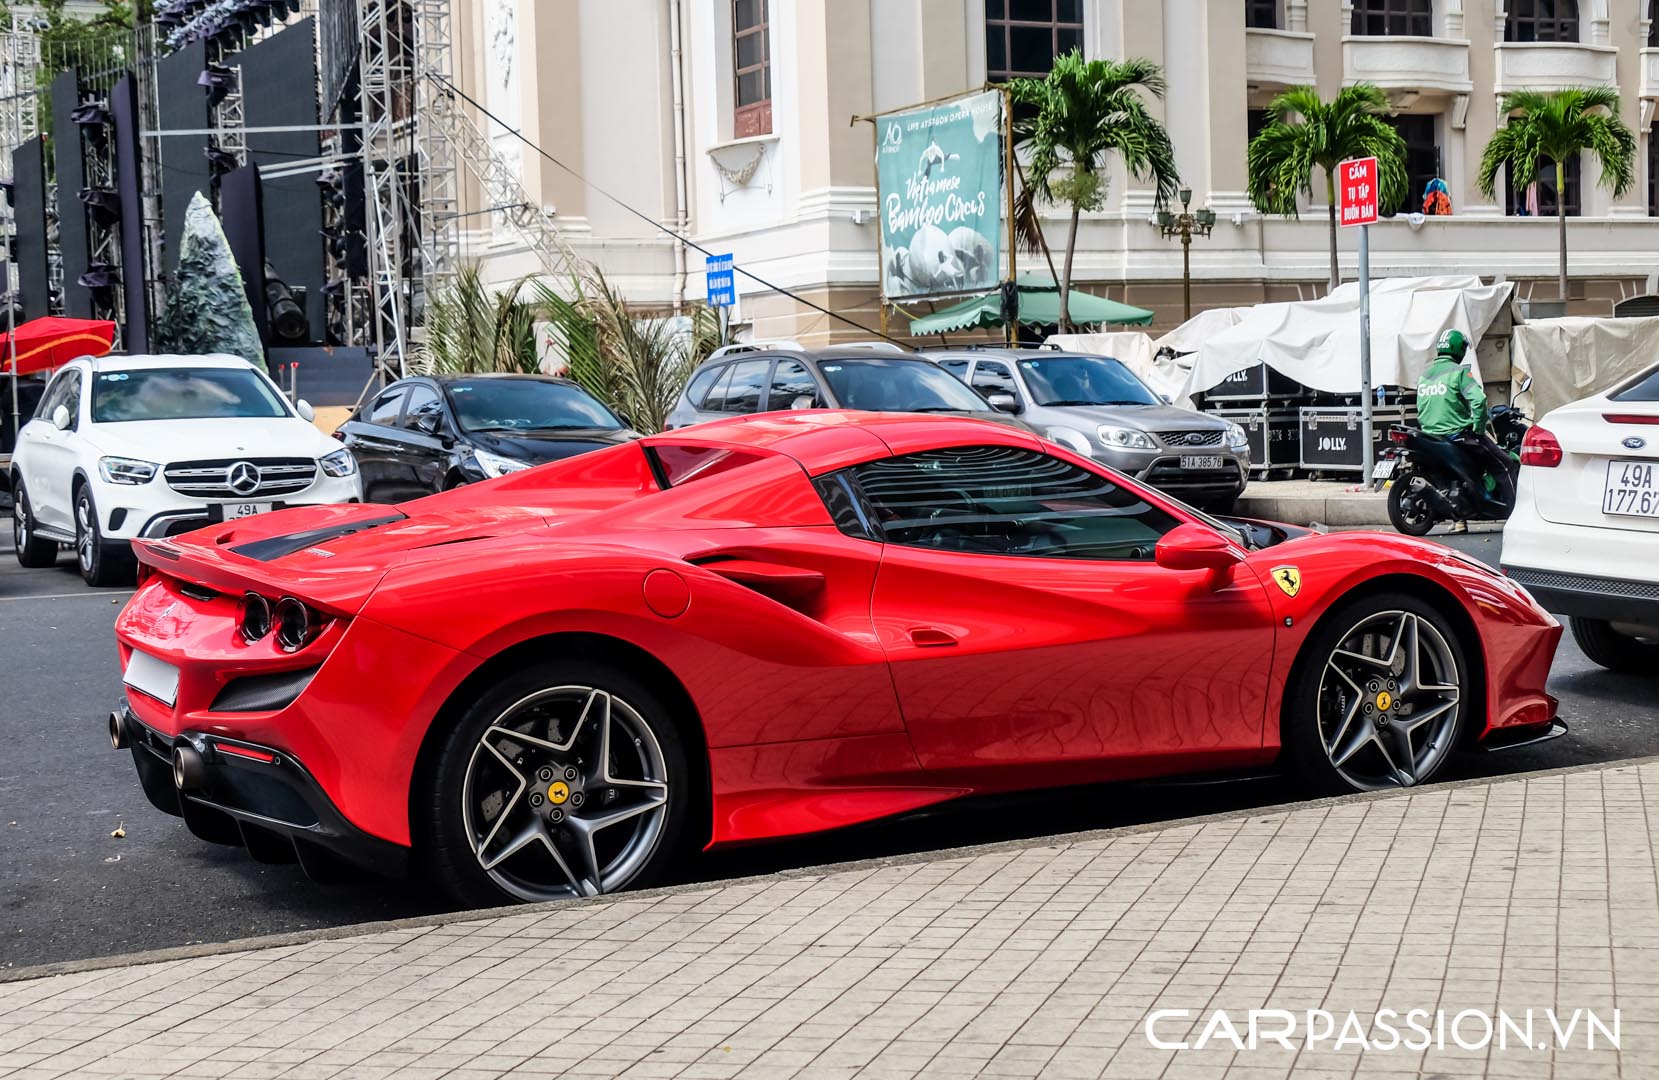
<point>1082,112</point>
<point>1557,126</point>
<point>1304,132</point>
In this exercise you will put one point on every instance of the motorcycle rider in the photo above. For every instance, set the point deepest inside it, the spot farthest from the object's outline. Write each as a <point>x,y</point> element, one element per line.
<point>1451,404</point>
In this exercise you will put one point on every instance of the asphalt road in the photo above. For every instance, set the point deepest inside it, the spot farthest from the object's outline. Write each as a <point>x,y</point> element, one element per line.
<point>69,889</point>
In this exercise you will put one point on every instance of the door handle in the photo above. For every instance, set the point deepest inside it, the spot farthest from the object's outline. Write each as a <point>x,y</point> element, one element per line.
<point>930,637</point>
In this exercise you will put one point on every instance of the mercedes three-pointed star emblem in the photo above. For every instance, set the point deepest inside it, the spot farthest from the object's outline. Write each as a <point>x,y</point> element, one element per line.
<point>242,478</point>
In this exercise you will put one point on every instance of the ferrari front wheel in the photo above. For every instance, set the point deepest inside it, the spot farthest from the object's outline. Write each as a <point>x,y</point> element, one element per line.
<point>1379,699</point>
<point>564,780</point>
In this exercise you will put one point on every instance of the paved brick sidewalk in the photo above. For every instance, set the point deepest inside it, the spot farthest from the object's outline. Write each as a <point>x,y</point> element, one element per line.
<point>1015,961</point>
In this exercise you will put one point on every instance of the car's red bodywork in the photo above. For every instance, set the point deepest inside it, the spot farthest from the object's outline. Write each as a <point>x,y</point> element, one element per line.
<point>832,679</point>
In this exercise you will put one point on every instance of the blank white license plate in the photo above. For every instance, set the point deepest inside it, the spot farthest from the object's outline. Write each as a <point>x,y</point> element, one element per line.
<point>151,676</point>
<point>233,511</point>
<point>1383,469</point>
<point>1632,489</point>
<point>1204,461</point>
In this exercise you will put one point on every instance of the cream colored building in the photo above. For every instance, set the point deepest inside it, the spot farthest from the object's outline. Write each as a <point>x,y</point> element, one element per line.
<point>731,121</point>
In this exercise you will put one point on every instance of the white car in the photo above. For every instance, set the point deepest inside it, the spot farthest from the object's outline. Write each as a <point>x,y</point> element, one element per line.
<point>1584,537</point>
<point>129,446</point>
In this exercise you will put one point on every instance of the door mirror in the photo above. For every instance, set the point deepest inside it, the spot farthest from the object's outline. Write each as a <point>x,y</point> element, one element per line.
<point>1003,402</point>
<point>1168,399</point>
<point>1194,547</point>
<point>428,423</point>
<point>307,413</point>
<point>61,418</point>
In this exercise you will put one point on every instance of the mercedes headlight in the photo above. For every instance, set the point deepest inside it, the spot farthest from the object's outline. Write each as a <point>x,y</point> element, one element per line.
<point>493,465</point>
<point>1236,437</point>
<point>122,470</point>
<point>339,463</point>
<point>1128,438</point>
<point>1070,438</point>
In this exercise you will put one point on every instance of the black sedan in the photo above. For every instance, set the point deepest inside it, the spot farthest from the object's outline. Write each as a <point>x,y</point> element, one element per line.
<point>431,433</point>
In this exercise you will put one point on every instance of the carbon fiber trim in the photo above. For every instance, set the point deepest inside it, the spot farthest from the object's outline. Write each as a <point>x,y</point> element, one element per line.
<point>1549,579</point>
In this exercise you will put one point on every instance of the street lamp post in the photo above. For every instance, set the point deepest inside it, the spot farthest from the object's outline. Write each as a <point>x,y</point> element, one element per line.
<point>1186,225</point>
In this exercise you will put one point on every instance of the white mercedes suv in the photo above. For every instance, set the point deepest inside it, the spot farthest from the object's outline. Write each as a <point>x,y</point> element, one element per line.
<point>128,446</point>
<point>1584,537</point>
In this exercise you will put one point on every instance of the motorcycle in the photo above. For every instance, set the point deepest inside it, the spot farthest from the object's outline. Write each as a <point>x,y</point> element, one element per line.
<point>1426,486</point>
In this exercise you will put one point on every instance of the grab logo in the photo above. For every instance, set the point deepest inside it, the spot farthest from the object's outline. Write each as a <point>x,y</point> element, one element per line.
<point>1432,390</point>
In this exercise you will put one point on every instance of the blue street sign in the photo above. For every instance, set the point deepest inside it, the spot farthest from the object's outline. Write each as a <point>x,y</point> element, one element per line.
<point>722,281</point>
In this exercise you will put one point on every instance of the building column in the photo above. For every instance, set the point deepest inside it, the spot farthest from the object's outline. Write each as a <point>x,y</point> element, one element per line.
<point>1227,112</point>
<point>832,70</point>
<point>549,56</point>
<point>1141,33</point>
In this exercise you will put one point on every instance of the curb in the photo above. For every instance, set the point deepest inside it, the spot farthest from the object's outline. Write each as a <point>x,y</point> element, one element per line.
<point>1323,509</point>
<point>426,922</point>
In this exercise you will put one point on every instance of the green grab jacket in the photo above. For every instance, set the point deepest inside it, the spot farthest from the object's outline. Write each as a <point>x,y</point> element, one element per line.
<point>1450,399</point>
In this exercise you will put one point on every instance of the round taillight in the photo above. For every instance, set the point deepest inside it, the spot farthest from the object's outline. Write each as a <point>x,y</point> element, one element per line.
<point>293,623</point>
<point>1540,449</point>
<point>256,617</point>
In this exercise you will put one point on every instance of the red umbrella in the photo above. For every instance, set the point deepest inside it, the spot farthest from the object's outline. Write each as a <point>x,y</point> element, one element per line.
<point>43,344</point>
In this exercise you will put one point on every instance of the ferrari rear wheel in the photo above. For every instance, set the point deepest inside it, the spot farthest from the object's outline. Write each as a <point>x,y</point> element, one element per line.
<point>1379,699</point>
<point>563,781</point>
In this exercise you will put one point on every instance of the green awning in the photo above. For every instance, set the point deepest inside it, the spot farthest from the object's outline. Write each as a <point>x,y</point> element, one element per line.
<point>1039,306</point>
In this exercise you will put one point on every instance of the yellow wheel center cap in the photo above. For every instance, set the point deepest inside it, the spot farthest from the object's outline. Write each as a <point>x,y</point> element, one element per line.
<point>1385,701</point>
<point>557,792</point>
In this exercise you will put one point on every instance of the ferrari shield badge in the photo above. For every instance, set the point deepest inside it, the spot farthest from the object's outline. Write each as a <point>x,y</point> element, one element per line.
<point>1289,579</point>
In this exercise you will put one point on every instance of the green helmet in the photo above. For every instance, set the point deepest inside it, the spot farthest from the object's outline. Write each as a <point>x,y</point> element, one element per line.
<point>1452,345</point>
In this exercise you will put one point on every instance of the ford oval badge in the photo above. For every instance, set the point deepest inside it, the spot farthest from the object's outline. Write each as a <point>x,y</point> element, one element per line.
<point>1635,442</point>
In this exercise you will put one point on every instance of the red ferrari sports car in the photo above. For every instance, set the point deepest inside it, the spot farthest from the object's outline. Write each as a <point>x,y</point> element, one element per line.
<point>550,684</point>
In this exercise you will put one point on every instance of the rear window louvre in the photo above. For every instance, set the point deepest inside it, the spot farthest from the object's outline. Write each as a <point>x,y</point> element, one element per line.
<point>277,546</point>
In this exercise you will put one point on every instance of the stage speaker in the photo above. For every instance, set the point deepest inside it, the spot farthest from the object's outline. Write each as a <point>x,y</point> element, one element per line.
<point>128,170</point>
<point>29,207</point>
<point>69,168</point>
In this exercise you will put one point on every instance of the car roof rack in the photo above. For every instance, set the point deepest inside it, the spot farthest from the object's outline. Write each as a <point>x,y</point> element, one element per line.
<point>756,346</point>
<point>989,347</point>
<point>873,346</point>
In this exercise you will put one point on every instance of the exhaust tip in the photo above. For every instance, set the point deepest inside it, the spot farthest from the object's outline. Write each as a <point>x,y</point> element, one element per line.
<point>189,770</point>
<point>117,731</point>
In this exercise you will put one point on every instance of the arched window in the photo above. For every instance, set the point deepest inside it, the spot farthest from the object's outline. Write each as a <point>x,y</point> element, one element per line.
<point>1022,37</point>
<point>1541,20</point>
<point>1393,18</point>
<point>1261,14</point>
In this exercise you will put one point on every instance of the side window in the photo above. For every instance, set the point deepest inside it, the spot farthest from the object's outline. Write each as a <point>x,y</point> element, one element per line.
<point>993,377</point>
<point>423,401</point>
<point>793,388</point>
<point>742,391</point>
<point>1001,500</point>
<point>957,367</point>
<point>55,394</point>
<point>698,388</point>
<point>716,399</point>
<point>72,398</point>
<point>385,408</point>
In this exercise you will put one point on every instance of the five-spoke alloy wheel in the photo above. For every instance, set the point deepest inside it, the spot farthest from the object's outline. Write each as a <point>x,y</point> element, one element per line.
<point>1379,700</point>
<point>563,781</point>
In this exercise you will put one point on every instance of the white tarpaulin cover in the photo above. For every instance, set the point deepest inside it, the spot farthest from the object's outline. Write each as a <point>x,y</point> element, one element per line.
<point>1316,342</point>
<point>1574,357</point>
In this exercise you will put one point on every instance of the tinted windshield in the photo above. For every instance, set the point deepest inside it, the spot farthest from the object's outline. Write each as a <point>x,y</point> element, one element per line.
<point>1642,388</point>
<point>183,394</point>
<point>526,405</point>
<point>899,386</point>
<point>1083,380</point>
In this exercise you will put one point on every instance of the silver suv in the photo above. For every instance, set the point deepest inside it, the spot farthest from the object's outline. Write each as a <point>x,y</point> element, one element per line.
<point>1097,407</point>
<point>872,376</point>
